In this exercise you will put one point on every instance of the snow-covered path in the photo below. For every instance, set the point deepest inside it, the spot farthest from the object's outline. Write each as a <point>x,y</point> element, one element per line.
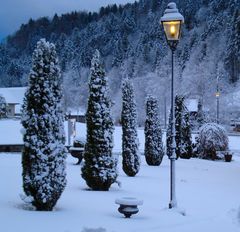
<point>208,191</point>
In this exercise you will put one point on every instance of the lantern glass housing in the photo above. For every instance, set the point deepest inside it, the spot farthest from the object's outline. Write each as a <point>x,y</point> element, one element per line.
<point>172,21</point>
<point>172,29</point>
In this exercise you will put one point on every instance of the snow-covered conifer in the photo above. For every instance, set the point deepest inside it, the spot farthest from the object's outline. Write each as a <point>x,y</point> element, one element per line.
<point>153,134</point>
<point>3,107</point>
<point>185,149</point>
<point>99,169</point>
<point>44,154</point>
<point>131,158</point>
<point>183,130</point>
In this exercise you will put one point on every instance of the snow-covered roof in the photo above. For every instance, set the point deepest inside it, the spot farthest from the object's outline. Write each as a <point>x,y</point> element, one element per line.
<point>192,105</point>
<point>13,95</point>
<point>76,111</point>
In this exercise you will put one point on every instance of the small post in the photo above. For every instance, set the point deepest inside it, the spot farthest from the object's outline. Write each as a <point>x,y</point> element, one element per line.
<point>69,128</point>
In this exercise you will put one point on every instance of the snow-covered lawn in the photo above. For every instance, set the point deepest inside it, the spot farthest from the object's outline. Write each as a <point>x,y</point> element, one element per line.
<point>208,191</point>
<point>10,134</point>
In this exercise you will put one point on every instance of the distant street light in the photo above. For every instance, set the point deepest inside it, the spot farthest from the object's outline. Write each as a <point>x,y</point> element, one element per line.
<point>217,98</point>
<point>172,21</point>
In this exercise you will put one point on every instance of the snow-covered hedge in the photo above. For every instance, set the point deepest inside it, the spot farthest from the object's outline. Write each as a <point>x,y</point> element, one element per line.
<point>212,138</point>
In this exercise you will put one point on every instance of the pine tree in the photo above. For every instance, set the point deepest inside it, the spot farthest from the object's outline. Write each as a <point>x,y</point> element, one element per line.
<point>183,131</point>
<point>131,158</point>
<point>153,134</point>
<point>99,170</point>
<point>44,154</point>
<point>3,107</point>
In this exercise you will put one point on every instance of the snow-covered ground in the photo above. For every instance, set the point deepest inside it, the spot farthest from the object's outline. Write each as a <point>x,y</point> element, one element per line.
<point>10,134</point>
<point>208,191</point>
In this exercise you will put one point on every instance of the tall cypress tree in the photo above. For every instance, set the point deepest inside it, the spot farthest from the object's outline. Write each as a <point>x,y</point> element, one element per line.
<point>183,130</point>
<point>153,134</point>
<point>185,144</point>
<point>44,154</point>
<point>131,158</point>
<point>99,170</point>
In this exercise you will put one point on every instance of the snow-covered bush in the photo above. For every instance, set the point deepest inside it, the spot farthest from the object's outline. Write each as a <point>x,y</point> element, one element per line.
<point>44,154</point>
<point>131,158</point>
<point>153,134</point>
<point>3,107</point>
<point>212,138</point>
<point>99,169</point>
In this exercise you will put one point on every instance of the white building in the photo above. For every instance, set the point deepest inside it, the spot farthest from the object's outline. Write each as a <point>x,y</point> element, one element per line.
<point>14,99</point>
<point>192,105</point>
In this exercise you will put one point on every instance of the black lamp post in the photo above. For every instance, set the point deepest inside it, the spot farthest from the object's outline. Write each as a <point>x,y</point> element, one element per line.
<point>172,21</point>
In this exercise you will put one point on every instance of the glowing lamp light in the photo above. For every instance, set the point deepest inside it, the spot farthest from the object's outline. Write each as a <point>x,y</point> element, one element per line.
<point>173,30</point>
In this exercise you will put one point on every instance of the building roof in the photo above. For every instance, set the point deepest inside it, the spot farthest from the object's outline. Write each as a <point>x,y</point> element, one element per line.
<point>14,95</point>
<point>192,105</point>
<point>76,111</point>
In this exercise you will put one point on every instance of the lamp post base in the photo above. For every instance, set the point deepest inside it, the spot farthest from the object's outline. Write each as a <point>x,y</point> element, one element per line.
<point>173,201</point>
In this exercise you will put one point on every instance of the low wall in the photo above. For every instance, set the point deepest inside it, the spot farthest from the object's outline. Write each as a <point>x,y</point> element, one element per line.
<point>14,147</point>
<point>11,147</point>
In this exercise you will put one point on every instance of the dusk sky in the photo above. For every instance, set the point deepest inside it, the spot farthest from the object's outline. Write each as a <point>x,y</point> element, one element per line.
<point>15,12</point>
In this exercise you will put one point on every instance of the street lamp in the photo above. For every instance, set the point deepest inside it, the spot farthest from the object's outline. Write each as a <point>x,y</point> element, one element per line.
<point>172,21</point>
<point>217,97</point>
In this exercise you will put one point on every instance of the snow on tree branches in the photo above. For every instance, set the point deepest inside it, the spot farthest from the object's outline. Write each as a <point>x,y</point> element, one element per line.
<point>153,134</point>
<point>44,154</point>
<point>99,169</point>
<point>183,131</point>
<point>212,138</point>
<point>131,158</point>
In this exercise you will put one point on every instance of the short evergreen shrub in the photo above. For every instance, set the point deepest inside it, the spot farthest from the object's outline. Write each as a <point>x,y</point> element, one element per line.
<point>212,138</point>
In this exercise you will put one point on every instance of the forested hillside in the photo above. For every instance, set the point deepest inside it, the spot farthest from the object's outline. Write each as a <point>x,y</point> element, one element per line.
<point>132,43</point>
